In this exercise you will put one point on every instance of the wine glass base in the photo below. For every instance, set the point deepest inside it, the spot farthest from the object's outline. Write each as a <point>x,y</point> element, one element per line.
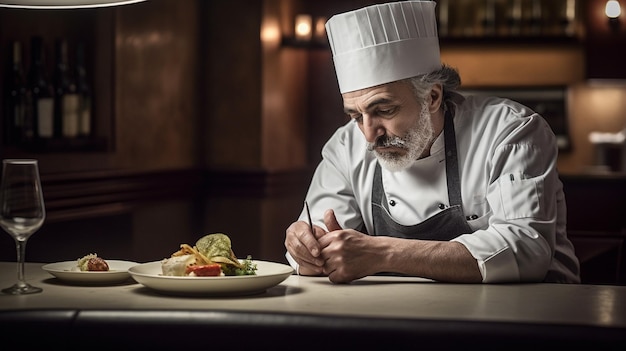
<point>22,289</point>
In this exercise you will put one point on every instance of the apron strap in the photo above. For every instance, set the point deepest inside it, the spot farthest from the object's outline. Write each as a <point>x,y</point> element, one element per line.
<point>452,165</point>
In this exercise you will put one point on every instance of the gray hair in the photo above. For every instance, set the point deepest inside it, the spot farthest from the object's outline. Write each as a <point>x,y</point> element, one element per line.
<point>447,76</point>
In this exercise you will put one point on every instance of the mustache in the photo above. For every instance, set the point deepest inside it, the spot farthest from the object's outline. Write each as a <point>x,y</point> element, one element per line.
<point>386,141</point>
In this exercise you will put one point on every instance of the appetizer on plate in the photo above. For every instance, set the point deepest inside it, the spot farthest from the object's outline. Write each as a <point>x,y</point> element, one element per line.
<point>91,263</point>
<point>70,271</point>
<point>212,255</point>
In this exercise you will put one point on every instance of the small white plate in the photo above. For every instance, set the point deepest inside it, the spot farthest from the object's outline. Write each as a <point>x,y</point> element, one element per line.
<point>268,274</point>
<point>118,272</point>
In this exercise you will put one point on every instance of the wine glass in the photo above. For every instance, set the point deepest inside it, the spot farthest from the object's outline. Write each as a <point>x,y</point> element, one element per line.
<point>22,212</point>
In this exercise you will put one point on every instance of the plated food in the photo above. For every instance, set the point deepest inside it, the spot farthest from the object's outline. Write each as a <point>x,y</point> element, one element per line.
<point>69,272</point>
<point>91,263</point>
<point>210,267</point>
<point>268,275</point>
<point>211,256</point>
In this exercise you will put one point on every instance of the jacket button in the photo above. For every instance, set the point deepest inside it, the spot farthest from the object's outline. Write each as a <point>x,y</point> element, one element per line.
<point>392,202</point>
<point>442,206</point>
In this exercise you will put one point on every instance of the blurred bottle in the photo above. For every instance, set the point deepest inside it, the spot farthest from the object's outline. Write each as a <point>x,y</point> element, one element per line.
<point>489,18</point>
<point>14,96</point>
<point>66,95</point>
<point>443,18</point>
<point>533,17</point>
<point>84,92</point>
<point>568,21</point>
<point>39,118</point>
<point>514,17</point>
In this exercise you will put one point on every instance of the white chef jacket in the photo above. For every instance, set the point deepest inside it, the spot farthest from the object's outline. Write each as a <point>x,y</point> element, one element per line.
<point>510,190</point>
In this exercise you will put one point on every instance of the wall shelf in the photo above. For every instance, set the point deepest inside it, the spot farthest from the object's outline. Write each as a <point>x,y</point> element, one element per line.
<point>510,40</point>
<point>92,27</point>
<point>96,144</point>
<point>304,44</point>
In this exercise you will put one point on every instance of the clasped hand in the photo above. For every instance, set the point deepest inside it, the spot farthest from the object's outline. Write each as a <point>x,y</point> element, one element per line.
<point>341,254</point>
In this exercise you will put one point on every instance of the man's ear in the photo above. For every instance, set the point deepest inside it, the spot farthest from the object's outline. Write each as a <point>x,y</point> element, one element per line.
<point>436,98</point>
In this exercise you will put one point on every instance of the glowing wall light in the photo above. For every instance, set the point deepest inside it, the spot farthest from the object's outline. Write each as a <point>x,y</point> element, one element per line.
<point>303,27</point>
<point>612,9</point>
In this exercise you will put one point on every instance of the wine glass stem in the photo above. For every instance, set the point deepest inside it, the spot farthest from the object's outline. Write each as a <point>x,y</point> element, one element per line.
<point>21,254</point>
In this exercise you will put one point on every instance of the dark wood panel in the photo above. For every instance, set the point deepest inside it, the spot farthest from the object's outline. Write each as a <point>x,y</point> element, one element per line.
<point>144,216</point>
<point>595,202</point>
<point>596,224</point>
<point>83,195</point>
<point>256,183</point>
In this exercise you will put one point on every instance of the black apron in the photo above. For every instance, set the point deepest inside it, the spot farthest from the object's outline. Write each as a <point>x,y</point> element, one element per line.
<point>445,225</point>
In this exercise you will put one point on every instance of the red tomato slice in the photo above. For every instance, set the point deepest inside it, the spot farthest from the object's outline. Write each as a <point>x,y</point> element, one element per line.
<point>207,270</point>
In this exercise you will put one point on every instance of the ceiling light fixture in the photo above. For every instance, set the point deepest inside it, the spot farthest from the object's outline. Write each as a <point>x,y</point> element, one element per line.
<point>63,4</point>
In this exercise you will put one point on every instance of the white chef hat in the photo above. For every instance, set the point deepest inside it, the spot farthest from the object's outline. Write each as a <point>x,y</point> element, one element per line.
<point>383,43</point>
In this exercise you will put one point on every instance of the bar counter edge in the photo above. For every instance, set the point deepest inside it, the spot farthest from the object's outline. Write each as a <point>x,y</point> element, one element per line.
<point>160,329</point>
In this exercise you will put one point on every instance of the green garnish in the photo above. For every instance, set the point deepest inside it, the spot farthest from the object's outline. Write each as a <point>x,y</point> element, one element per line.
<point>217,248</point>
<point>248,268</point>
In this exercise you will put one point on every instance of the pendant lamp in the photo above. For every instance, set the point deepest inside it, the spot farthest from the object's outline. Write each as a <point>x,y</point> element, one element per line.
<point>63,4</point>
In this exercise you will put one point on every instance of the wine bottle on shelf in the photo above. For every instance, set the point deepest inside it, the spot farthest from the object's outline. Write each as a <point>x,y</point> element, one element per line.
<point>39,120</point>
<point>84,92</point>
<point>14,96</point>
<point>489,18</point>
<point>66,96</point>
<point>534,18</point>
<point>569,18</point>
<point>443,20</point>
<point>514,19</point>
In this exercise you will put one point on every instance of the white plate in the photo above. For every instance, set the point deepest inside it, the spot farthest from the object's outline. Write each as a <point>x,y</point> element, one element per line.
<point>268,274</point>
<point>118,272</point>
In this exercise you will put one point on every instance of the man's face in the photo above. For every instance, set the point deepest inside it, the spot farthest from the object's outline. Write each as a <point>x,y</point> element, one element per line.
<point>397,127</point>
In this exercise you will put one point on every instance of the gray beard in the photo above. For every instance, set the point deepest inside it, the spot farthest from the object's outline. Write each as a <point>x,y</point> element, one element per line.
<point>416,140</point>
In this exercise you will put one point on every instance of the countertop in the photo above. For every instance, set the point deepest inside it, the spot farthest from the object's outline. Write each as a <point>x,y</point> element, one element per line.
<point>369,310</point>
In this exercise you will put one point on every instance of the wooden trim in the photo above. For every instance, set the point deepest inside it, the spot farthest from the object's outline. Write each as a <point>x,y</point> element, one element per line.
<point>84,195</point>
<point>257,183</point>
<point>71,196</point>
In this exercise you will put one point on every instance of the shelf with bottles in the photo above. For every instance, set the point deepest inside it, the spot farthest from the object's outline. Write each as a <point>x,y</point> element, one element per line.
<point>57,89</point>
<point>508,21</point>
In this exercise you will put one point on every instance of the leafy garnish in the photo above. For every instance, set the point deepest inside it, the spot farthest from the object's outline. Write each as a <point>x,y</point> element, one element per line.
<point>217,248</point>
<point>248,268</point>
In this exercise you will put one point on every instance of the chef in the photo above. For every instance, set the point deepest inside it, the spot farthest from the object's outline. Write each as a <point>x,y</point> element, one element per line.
<point>423,181</point>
